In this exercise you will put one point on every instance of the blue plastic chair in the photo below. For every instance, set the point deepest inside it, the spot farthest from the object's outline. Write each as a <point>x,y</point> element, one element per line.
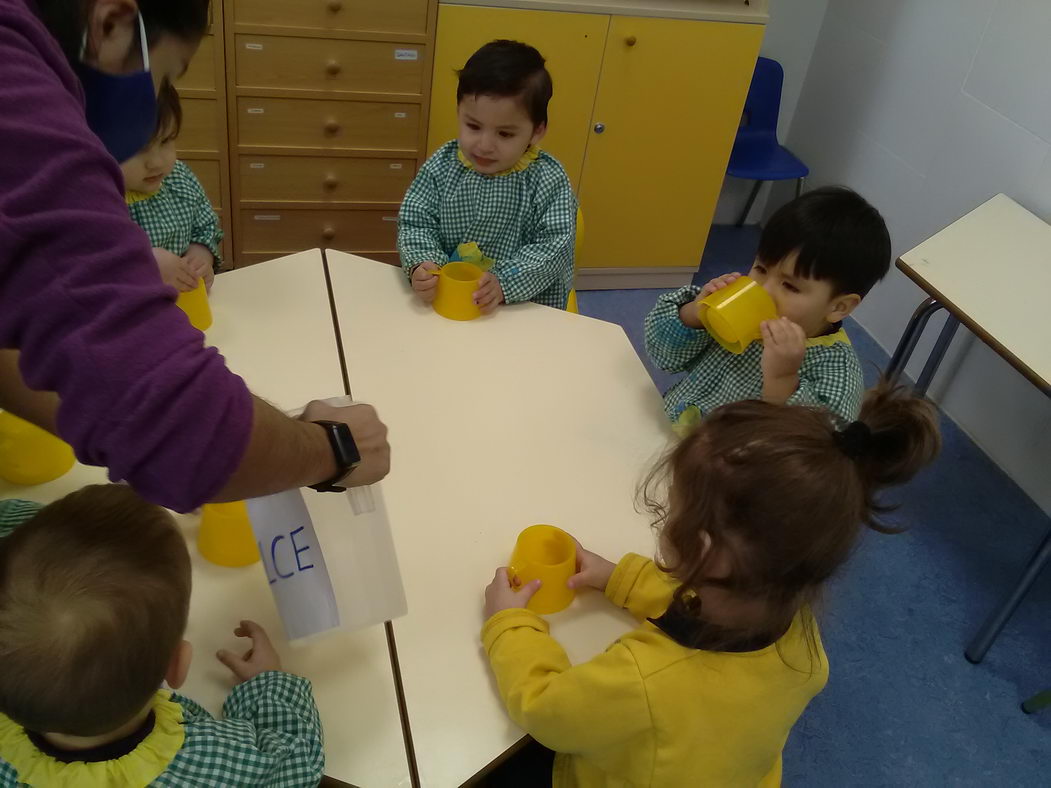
<point>757,155</point>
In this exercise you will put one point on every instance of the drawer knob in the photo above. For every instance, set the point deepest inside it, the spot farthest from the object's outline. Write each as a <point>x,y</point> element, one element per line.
<point>328,233</point>
<point>333,67</point>
<point>631,41</point>
<point>331,181</point>
<point>600,127</point>
<point>331,126</point>
<point>335,6</point>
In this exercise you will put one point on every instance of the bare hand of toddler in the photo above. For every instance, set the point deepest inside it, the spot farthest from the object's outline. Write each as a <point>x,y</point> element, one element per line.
<point>260,658</point>
<point>175,271</point>
<point>489,294</point>
<point>425,283</point>
<point>500,595</point>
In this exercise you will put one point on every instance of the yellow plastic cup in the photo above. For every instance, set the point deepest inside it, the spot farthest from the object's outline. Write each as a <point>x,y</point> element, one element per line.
<point>195,305</point>
<point>733,315</point>
<point>225,537</point>
<point>30,455</point>
<point>548,554</point>
<point>457,284</point>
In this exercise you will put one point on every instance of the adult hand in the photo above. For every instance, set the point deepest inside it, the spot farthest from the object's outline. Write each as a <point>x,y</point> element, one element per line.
<point>201,262</point>
<point>260,658</point>
<point>425,281</point>
<point>370,435</point>
<point>499,595</point>
<point>175,271</point>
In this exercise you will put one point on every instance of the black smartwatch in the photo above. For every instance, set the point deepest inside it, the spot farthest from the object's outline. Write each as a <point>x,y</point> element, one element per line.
<point>345,452</point>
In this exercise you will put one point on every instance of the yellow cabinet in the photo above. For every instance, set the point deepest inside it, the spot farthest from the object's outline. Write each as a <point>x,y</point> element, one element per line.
<point>572,44</point>
<point>643,118</point>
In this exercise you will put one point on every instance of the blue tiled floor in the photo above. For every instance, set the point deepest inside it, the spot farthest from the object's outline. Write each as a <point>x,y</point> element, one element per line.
<point>903,707</point>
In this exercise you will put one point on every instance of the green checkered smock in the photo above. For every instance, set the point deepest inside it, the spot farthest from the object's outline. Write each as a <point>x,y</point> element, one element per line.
<point>179,214</point>
<point>269,734</point>
<point>524,219</point>
<point>830,376</point>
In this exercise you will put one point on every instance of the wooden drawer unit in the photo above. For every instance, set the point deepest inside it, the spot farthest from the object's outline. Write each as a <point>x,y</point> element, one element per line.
<point>201,73</point>
<point>201,124</point>
<point>390,16</point>
<point>315,179</point>
<point>294,230</point>
<point>323,124</point>
<point>285,62</point>
<point>209,173</point>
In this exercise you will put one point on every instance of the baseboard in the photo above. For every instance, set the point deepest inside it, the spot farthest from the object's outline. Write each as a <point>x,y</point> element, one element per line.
<point>633,278</point>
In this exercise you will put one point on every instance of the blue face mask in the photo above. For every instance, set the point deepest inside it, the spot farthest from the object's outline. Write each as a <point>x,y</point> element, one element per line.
<point>121,108</point>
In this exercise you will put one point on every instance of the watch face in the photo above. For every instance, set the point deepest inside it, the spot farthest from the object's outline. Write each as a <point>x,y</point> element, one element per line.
<point>347,454</point>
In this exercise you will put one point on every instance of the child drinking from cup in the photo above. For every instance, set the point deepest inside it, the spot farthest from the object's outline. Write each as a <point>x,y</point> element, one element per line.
<point>492,191</point>
<point>763,504</point>
<point>168,202</point>
<point>94,595</point>
<point>818,256</point>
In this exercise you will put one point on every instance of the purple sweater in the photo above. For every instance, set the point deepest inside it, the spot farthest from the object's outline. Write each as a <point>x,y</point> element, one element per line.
<point>81,296</point>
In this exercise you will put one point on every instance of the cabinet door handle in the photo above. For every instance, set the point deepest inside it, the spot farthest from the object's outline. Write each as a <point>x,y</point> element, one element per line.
<point>331,126</point>
<point>331,181</point>
<point>328,233</point>
<point>600,127</point>
<point>631,41</point>
<point>333,67</point>
<point>335,6</point>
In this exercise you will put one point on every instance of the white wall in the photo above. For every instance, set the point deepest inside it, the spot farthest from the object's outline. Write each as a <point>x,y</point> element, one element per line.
<point>789,39</point>
<point>928,108</point>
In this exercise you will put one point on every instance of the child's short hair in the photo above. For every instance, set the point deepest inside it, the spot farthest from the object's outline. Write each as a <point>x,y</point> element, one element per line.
<point>94,595</point>
<point>169,113</point>
<point>508,69</point>
<point>840,237</point>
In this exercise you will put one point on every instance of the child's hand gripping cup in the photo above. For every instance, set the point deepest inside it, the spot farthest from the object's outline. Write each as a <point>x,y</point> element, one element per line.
<point>457,284</point>
<point>30,455</point>
<point>733,314</point>
<point>225,536</point>
<point>547,554</point>
<point>195,305</point>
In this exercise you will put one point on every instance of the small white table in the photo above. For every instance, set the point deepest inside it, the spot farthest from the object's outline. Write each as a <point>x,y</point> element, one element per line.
<point>991,271</point>
<point>530,415</point>
<point>273,324</point>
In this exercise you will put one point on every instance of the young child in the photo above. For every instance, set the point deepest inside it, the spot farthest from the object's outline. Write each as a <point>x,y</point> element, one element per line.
<point>491,191</point>
<point>764,503</point>
<point>167,201</point>
<point>94,594</point>
<point>818,256</point>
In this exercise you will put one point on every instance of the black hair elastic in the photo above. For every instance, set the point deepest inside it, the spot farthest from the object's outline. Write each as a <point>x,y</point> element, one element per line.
<point>856,440</point>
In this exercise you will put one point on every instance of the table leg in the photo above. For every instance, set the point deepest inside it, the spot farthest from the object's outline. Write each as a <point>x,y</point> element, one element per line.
<point>934,360</point>
<point>978,647</point>
<point>748,205</point>
<point>912,334</point>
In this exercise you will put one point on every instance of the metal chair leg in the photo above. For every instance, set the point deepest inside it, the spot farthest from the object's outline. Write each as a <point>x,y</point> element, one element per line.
<point>800,183</point>
<point>978,647</point>
<point>748,205</point>
<point>909,338</point>
<point>934,360</point>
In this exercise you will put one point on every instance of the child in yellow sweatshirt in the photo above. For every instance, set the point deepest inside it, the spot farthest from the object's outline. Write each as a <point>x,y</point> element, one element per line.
<point>764,504</point>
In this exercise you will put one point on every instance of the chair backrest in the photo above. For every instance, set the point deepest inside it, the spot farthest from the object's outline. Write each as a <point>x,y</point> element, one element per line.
<point>763,104</point>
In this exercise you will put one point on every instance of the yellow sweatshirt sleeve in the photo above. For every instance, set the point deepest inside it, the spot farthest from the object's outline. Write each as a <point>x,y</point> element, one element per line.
<point>565,708</point>
<point>640,587</point>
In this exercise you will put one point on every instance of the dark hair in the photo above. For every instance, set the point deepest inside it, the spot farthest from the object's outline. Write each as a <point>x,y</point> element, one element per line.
<point>779,493</point>
<point>94,594</point>
<point>839,236</point>
<point>169,113</point>
<point>66,19</point>
<point>508,69</point>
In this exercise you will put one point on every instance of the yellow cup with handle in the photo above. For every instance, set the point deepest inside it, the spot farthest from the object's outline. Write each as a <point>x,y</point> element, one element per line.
<point>457,284</point>
<point>225,537</point>
<point>195,304</point>
<point>548,554</point>
<point>30,455</point>
<point>733,314</point>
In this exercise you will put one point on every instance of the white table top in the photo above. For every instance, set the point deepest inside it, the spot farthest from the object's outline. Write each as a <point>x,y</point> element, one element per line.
<point>531,415</point>
<point>273,324</point>
<point>992,270</point>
